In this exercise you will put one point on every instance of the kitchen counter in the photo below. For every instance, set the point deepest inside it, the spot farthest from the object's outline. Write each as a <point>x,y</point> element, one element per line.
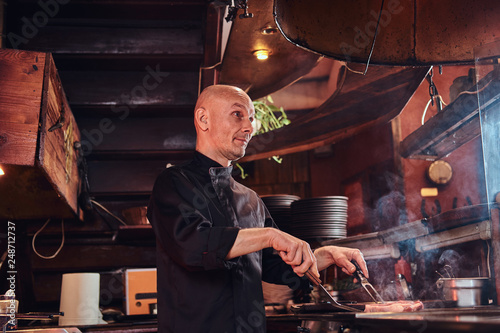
<point>476,319</point>
<point>130,325</point>
<point>479,319</point>
<point>444,320</point>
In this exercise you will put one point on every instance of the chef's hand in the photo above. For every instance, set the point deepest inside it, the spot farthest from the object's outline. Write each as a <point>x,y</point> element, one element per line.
<point>340,256</point>
<point>295,252</point>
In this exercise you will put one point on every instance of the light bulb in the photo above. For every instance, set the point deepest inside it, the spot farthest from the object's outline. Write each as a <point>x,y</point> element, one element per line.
<point>262,54</point>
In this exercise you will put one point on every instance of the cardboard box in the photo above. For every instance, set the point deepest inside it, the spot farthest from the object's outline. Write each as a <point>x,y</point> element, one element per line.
<point>140,291</point>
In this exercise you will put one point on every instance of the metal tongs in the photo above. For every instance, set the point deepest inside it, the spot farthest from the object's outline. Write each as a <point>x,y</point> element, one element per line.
<point>367,285</point>
<point>317,282</point>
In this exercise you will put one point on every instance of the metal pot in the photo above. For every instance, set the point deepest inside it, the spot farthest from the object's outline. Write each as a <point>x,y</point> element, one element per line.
<point>465,291</point>
<point>136,215</point>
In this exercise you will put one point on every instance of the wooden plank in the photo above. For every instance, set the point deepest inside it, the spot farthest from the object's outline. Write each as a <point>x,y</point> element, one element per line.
<point>136,134</point>
<point>29,187</point>
<point>47,288</point>
<point>122,91</point>
<point>117,40</point>
<point>17,138</point>
<point>94,258</point>
<point>153,111</point>
<point>455,125</point>
<point>112,9</point>
<point>361,102</point>
<point>21,81</point>
<point>130,155</point>
<point>132,62</point>
<point>213,46</point>
<point>57,154</point>
<point>125,177</point>
<point>21,76</point>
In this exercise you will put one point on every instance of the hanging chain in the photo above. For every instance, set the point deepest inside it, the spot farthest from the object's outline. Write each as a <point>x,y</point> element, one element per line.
<point>432,86</point>
<point>433,92</point>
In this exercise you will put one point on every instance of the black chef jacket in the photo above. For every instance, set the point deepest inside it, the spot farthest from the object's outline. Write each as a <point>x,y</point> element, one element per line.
<point>196,211</point>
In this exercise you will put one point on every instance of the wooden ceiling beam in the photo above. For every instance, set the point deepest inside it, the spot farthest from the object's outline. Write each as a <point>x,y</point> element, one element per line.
<point>140,155</point>
<point>115,41</point>
<point>127,90</point>
<point>209,73</point>
<point>112,9</point>
<point>360,102</point>
<point>130,135</point>
<point>127,62</point>
<point>139,111</point>
<point>127,177</point>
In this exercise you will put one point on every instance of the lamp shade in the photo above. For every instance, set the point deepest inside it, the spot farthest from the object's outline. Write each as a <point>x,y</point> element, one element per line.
<point>409,32</point>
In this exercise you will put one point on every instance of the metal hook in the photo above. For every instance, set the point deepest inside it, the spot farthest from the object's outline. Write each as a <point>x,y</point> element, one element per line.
<point>450,272</point>
<point>441,275</point>
<point>60,121</point>
<point>246,14</point>
<point>437,204</point>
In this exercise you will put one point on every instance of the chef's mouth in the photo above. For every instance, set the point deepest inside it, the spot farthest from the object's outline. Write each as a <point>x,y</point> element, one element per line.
<point>244,141</point>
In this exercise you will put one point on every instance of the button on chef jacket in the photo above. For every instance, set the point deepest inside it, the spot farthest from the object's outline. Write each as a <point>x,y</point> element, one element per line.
<point>196,211</point>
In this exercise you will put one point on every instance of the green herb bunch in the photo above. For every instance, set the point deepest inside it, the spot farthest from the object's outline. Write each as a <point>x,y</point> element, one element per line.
<point>265,116</point>
<point>268,117</point>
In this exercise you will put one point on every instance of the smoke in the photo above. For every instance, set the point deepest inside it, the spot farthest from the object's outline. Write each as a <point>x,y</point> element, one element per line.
<point>390,210</point>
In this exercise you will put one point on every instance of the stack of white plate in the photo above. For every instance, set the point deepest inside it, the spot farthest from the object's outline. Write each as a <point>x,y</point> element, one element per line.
<point>279,208</point>
<point>320,218</point>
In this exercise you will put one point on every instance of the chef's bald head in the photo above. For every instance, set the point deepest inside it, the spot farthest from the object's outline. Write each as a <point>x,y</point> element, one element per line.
<point>213,98</point>
<point>217,92</point>
<point>223,119</point>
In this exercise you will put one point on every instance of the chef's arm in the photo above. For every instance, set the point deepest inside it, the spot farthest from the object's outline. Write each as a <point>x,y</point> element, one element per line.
<point>294,252</point>
<point>340,256</point>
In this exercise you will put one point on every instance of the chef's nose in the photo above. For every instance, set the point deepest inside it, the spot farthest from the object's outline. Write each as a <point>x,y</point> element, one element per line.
<point>247,126</point>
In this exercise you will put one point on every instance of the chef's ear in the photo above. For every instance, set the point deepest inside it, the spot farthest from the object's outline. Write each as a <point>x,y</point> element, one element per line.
<point>201,118</point>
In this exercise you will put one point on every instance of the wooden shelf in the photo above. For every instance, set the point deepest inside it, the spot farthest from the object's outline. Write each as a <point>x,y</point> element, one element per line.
<point>455,125</point>
<point>143,232</point>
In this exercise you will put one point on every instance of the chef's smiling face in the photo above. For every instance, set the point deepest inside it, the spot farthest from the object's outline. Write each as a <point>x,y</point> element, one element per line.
<point>227,126</point>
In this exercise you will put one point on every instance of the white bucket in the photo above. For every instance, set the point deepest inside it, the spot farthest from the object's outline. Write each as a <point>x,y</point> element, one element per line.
<point>80,300</point>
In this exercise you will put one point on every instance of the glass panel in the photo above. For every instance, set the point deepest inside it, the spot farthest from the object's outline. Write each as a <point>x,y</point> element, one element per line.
<point>487,59</point>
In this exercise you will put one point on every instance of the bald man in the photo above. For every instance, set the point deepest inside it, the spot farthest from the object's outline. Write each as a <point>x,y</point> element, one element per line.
<point>216,241</point>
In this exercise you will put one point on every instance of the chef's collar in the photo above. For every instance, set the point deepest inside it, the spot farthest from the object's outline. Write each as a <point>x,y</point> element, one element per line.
<point>205,161</point>
<point>214,168</point>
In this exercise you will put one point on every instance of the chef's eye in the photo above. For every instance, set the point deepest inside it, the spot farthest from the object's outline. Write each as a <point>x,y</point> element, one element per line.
<point>238,114</point>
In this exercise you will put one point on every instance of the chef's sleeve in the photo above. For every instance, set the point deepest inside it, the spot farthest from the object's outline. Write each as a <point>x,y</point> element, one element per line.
<point>275,270</point>
<point>182,231</point>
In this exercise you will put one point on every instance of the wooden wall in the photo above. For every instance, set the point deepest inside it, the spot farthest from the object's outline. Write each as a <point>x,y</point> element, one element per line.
<point>363,169</point>
<point>468,173</point>
<point>291,176</point>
